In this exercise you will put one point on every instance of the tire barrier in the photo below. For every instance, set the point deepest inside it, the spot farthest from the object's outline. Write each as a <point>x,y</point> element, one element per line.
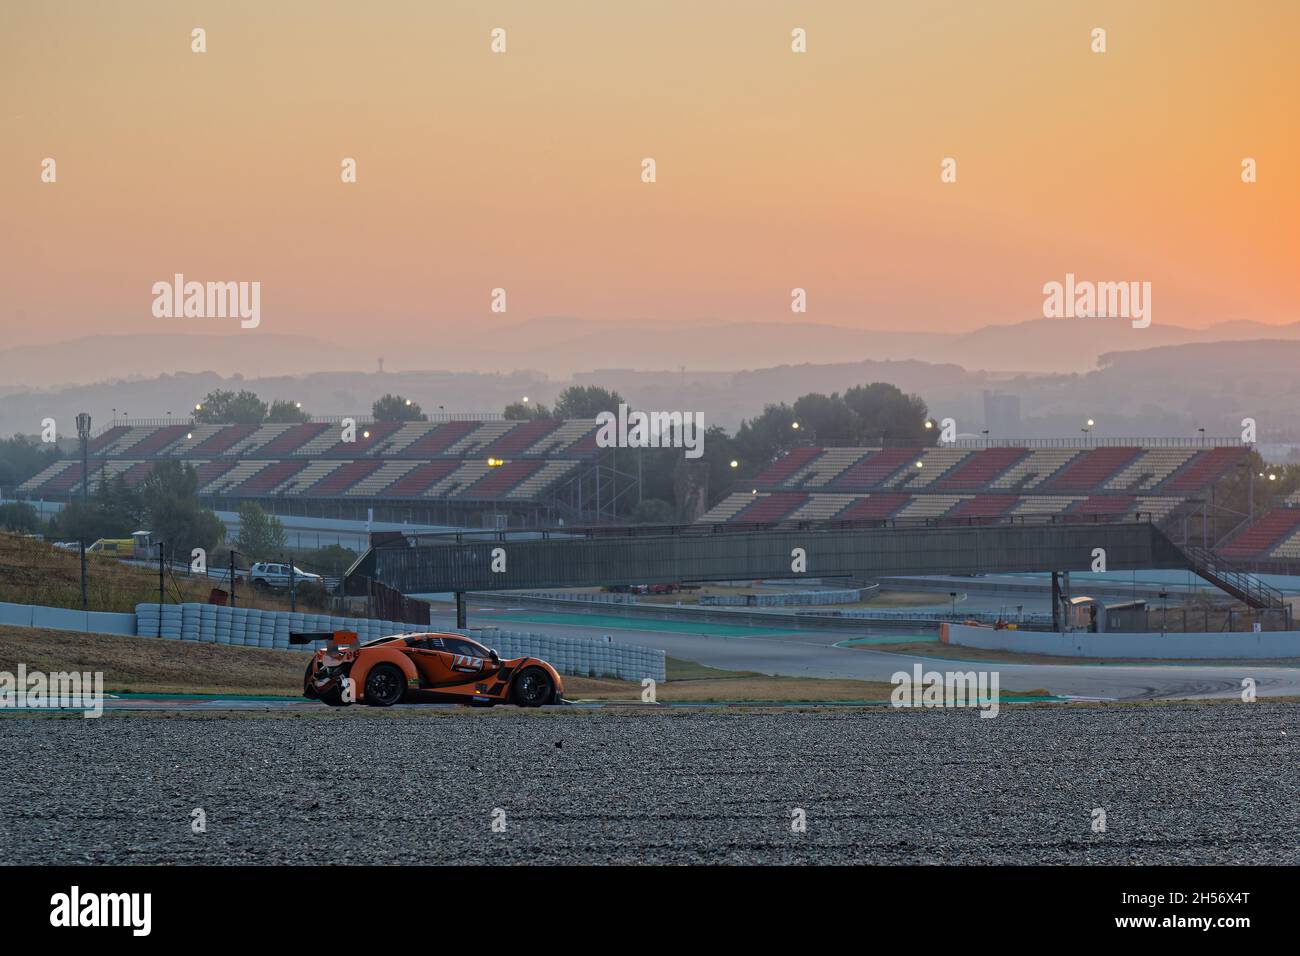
<point>246,627</point>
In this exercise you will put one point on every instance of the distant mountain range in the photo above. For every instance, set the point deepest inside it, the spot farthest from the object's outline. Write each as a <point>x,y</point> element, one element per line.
<point>558,347</point>
<point>1037,345</point>
<point>106,358</point>
<point>1169,391</point>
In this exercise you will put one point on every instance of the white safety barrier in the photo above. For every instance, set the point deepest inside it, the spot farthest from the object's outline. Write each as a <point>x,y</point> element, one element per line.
<point>66,619</point>
<point>577,656</point>
<point>783,599</point>
<point>1267,645</point>
<point>246,627</point>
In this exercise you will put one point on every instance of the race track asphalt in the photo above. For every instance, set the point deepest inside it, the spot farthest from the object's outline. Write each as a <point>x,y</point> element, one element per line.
<point>814,654</point>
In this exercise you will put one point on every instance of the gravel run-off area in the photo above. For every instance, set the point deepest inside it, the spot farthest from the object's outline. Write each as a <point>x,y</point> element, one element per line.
<point>1177,783</point>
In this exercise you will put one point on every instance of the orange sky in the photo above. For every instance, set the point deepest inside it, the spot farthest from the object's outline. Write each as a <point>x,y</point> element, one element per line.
<point>522,170</point>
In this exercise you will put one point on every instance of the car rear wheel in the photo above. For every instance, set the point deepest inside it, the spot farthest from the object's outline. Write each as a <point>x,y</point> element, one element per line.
<point>307,689</point>
<point>385,685</point>
<point>533,687</point>
<point>333,697</point>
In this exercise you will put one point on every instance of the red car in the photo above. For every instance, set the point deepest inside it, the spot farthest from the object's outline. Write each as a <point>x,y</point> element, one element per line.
<point>433,666</point>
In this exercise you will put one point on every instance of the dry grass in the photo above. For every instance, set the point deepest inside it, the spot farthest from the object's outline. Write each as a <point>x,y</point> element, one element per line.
<point>149,665</point>
<point>688,681</point>
<point>33,572</point>
<point>728,689</point>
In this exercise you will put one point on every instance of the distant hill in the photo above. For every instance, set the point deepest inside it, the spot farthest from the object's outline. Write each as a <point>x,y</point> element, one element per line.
<point>102,358</point>
<point>1167,391</point>
<point>560,346</point>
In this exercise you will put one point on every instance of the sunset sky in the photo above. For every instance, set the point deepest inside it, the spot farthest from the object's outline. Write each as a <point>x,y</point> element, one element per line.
<point>522,170</point>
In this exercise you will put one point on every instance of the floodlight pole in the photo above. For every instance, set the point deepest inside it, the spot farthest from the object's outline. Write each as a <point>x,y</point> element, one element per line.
<point>293,602</point>
<point>162,593</point>
<point>83,436</point>
<point>232,577</point>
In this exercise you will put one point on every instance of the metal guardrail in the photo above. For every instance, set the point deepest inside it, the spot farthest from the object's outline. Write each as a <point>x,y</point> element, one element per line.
<point>1082,442</point>
<point>430,418</point>
<point>142,423</point>
<point>594,532</point>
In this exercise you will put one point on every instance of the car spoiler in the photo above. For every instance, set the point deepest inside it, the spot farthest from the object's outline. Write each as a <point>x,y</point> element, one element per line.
<point>334,637</point>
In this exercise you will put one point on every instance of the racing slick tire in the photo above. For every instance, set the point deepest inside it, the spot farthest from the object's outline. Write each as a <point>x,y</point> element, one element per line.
<point>385,685</point>
<point>532,688</point>
<point>307,690</point>
<point>334,697</point>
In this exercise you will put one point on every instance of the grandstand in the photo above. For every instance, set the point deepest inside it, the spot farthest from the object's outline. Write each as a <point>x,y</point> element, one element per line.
<point>494,473</point>
<point>1274,535</point>
<point>476,473</point>
<point>1067,481</point>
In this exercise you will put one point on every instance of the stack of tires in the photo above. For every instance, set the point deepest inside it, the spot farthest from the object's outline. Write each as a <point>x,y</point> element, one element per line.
<point>280,632</point>
<point>190,621</point>
<point>146,620</point>
<point>171,621</point>
<point>238,626</point>
<point>224,623</point>
<point>208,623</point>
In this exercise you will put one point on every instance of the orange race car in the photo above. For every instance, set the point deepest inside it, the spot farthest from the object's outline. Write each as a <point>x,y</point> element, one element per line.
<point>426,666</point>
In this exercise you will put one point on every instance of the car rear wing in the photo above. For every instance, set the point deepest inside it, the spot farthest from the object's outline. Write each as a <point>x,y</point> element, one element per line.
<point>336,638</point>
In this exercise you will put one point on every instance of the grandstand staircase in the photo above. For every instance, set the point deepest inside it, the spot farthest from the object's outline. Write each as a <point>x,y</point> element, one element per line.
<point>1245,587</point>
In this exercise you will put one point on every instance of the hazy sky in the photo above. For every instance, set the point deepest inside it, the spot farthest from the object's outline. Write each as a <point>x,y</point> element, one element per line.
<point>522,170</point>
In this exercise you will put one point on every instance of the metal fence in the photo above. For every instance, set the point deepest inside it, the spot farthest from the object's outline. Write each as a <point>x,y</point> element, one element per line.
<point>1082,441</point>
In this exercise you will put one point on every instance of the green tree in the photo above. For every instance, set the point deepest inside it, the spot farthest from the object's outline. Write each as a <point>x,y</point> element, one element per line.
<point>20,517</point>
<point>170,500</point>
<point>114,510</point>
<point>653,511</point>
<point>586,401</point>
<point>284,412</point>
<point>22,457</point>
<point>261,536</point>
<point>885,413</point>
<point>223,407</point>
<point>333,559</point>
<point>827,420</point>
<point>395,408</point>
<point>720,450</point>
<point>762,440</point>
<point>526,411</point>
